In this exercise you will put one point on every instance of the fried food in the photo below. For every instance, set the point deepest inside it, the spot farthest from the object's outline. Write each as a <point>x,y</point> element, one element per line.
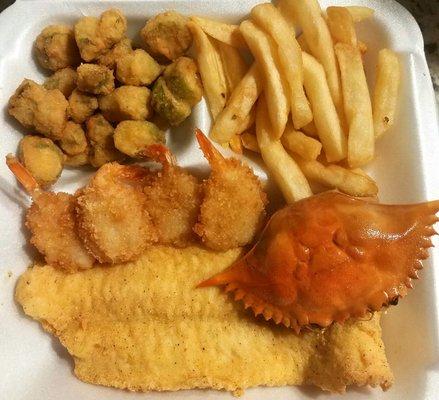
<point>298,143</point>
<point>64,80</point>
<point>233,206</point>
<point>119,50</point>
<point>132,137</point>
<point>82,106</point>
<point>166,335</point>
<point>55,47</point>
<point>126,102</point>
<point>234,65</point>
<point>39,109</point>
<point>73,141</point>
<point>166,36</point>
<point>112,218</point>
<point>100,133</point>
<point>77,160</point>
<point>95,37</point>
<point>173,198</point>
<point>42,158</point>
<point>51,221</point>
<point>95,79</point>
<point>137,68</point>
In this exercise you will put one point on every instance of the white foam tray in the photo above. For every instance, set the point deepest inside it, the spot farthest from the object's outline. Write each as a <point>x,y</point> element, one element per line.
<point>34,366</point>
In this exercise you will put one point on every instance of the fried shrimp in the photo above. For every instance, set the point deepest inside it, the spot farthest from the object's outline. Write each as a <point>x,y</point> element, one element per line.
<point>113,220</point>
<point>172,198</point>
<point>51,221</point>
<point>232,210</point>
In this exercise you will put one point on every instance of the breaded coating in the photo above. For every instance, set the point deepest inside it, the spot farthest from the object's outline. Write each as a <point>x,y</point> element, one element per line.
<point>95,37</point>
<point>64,80</point>
<point>39,109</point>
<point>126,102</point>
<point>183,80</point>
<point>132,137</point>
<point>165,104</point>
<point>42,158</point>
<point>77,160</point>
<point>110,57</point>
<point>82,106</point>
<point>166,36</point>
<point>95,79</point>
<point>113,221</point>
<point>51,221</point>
<point>73,141</point>
<point>55,47</point>
<point>100,133</point>
<point>143,326</point>
<point>233,207</point>
<point>137,68</point>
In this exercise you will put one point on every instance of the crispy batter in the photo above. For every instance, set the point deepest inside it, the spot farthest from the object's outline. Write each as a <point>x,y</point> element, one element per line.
<point>120,49</point>
<point>64,80</point>
<point>143,326</point>
<point>73,141</point>
<point>81,106</point>
<point>95,79</point>
<point>112,218</point>
<point>51,220</point>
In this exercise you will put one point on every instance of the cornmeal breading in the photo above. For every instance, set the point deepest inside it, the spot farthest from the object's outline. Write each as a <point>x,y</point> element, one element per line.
<point>144,326</point>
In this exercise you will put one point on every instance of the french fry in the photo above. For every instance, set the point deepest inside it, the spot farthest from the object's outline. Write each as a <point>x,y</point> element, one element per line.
<point>385,95</point>
<point>211,70</point>
<point>234,65</point>
<point>357,105</point>
<point>247,122</point>
<point>235,144</point>
<point>362,46</point>
<point>310,129</point>
<point>226,33</point>
<point>280,164</point>
<point>264,50</point>
<point>308,14</point>
<point>236,113</point>
<point>250,142</point>
<point>298,143</point>
<point>270,19</point>
<point>360,13</point>
<point>286,12</point>
<point>341,25</point>
<point>302,43</point>
<point>336,177</point>
<point>326,118</point>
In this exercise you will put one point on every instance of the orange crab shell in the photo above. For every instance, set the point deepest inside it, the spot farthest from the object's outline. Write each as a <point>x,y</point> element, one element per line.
<point>330,257</point>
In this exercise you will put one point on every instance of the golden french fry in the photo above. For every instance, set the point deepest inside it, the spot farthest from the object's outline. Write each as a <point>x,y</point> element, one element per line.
<point>341,25</point>
<point>357,105</point>
<point>310,129</point>
<point>385,95</point>
<point>360,13</point>
<point>302,43</point>
<point>226,33</point>
<point>287,14</point>
<point>362,46</point>
<point>247,122</point>
<point>234,65</point>
<point>250,142</point>
<point>235,144</point>
<point>270,19</point>
<point>280,164</point>
<point>326,118</point>
<point>309,16</point>
<point>264,50</point>
<point>298,143</point>
<point>336,177</point>
<point>237,112</point>
<point>211,70</point>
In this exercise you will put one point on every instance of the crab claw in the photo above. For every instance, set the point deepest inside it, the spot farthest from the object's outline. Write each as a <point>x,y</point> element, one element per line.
<point>330,257</point>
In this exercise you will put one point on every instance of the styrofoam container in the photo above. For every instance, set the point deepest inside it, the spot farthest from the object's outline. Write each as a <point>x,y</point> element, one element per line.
<point>33,365</point>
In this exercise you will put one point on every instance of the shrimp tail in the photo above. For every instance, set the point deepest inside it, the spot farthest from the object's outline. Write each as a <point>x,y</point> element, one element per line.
<point>208,149</point>
<point>159,153</point>
<point>22,174</point>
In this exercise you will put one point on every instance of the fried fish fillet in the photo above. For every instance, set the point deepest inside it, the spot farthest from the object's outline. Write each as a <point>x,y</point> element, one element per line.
<point>143,326</point>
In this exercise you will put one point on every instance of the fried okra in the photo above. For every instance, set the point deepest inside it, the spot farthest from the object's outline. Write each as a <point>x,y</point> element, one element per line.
<point>126,102</point>
<point>73,141</point>
<point>137,68</point>
<point>42,158</point>
<point>183,81</point>
<point>56,48</point>
<point>95,37</point>
<point>174,110</point>
<point>132,137</point>
<point>39,109</point>
<point>100,133</point>
<point>95,79</point>
<point>82,106</point>
<point>110,57</point>
<point>77,160</point>
<point>64,80</point>
<point>166,36</point>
